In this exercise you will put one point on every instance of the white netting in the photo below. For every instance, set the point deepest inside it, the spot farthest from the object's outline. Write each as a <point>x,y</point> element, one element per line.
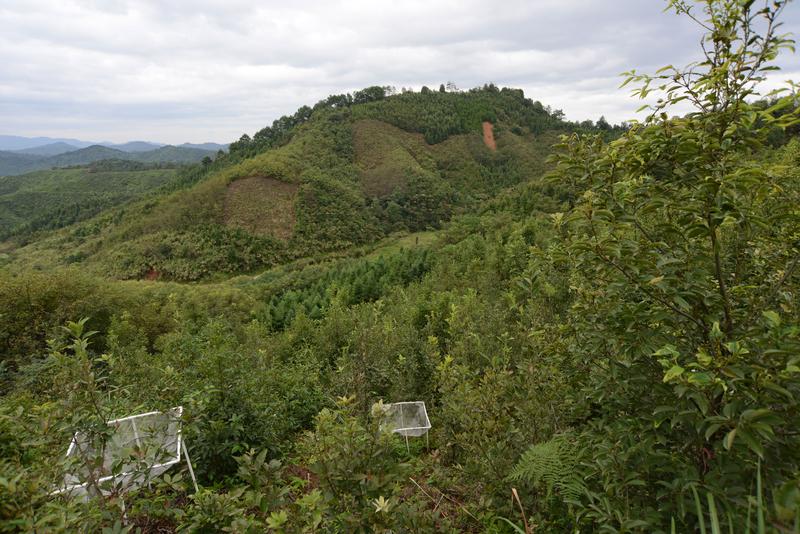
<point>135,449</point>
<point>406,418</point>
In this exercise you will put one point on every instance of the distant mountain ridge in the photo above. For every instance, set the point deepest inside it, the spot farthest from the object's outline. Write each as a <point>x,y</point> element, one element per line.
<point>205,146</point>
<point>14,163</point>
<point>134,146</point>
<point>51,145</point>
<point>52,149</point>
<point>174,154</point>
<point>16,142</point>
<point>82,156</point>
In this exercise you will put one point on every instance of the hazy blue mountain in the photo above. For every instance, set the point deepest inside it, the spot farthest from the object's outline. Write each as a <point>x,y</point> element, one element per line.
<point>13,163</point>
<point>16,142</point>
<point>51,149</point>
<point>135,146</point>
<point>205,146</point>
<point>50,146</point>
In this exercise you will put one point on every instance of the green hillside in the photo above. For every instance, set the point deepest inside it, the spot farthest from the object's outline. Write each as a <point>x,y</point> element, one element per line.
<point>170,154</point>
<point>605,331</point>
<point>319,181</point>
<point>82,156</point>
<point>45,200</point>
<point>15,163</point>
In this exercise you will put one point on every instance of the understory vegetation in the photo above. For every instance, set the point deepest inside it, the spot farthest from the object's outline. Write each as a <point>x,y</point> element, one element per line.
<point>609,342</point>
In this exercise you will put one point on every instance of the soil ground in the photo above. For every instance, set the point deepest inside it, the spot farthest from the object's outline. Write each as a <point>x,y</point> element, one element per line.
<point>488,136</point>
<point>262,206</point>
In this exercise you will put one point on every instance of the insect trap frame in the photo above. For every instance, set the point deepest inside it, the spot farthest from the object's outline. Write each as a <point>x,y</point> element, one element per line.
<point>408,418</point>
<point>135,450</point>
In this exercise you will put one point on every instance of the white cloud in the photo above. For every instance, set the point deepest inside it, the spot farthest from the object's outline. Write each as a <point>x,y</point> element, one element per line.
<point>207,70</point>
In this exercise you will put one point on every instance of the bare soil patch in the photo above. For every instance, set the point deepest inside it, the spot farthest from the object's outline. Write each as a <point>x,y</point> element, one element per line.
<point>488,136</point>
<point>262,206</point>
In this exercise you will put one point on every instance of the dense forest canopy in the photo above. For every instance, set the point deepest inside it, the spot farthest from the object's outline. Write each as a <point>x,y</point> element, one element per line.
<point>606,340</point>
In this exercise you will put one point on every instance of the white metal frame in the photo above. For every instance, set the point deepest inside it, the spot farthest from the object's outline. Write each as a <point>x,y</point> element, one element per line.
<point>401,429</point>
<point>180,446</point>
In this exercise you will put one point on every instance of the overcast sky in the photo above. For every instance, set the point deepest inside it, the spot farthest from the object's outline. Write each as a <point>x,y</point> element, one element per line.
<point>205,70</point>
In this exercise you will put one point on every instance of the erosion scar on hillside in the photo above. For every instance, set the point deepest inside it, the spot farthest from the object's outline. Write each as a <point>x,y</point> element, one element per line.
<point>488,136</point>
<point>262,206</point>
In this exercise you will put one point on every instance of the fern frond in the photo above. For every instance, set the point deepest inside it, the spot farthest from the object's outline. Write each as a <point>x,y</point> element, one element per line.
<point>552,464</point>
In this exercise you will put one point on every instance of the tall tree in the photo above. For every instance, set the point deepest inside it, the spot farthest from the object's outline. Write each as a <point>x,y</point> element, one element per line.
<point>684,330</point>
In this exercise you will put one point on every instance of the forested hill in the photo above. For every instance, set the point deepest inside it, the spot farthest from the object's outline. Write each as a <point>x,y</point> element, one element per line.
<point>347,171</point>
<point>51,199</point>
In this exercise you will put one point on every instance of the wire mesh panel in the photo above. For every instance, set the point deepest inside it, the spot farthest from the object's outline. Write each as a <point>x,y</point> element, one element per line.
<point>134,450</point>
<point>406,418</point>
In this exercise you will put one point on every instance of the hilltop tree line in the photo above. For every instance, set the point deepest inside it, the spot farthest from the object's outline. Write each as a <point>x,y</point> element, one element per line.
<point>441,113</point>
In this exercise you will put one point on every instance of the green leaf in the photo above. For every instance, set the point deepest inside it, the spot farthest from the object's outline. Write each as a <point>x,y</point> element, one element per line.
<point>712,511</point>
<point>762,529</point>
<point>756,415</point>
<point>736,348</point>
<point>703,358</point>
<point>751,442</point>
<point>772,318</point>
<point>674,372</point>
<point>277,519</point>
<point>701,379</point>
<point>711,430</point>
<point>682,303</point>
<point>512,525</point>
<point>700,400</point>
<point>699,509</point>
<point>729,437</point>
<point>716,333</point>
<point>667,350</point>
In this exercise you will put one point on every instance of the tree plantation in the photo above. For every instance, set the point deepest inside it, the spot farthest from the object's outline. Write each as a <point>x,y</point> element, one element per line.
<point>590,328</point>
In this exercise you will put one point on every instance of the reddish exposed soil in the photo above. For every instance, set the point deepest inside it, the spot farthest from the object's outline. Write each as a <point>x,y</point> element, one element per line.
<point>488,136</point>
<point>152,274</point>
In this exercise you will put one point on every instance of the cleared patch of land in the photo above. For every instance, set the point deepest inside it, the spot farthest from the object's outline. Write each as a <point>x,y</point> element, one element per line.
<point>262,206</point>
<point>488,136</point>
<point>386,154</point>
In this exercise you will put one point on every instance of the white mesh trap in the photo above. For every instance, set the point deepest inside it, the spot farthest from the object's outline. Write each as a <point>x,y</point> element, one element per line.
<point>135,450</point>
<point>406,418</point>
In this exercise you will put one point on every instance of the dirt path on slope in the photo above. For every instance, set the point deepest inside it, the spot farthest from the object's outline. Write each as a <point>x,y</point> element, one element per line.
<point>488,136</point>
